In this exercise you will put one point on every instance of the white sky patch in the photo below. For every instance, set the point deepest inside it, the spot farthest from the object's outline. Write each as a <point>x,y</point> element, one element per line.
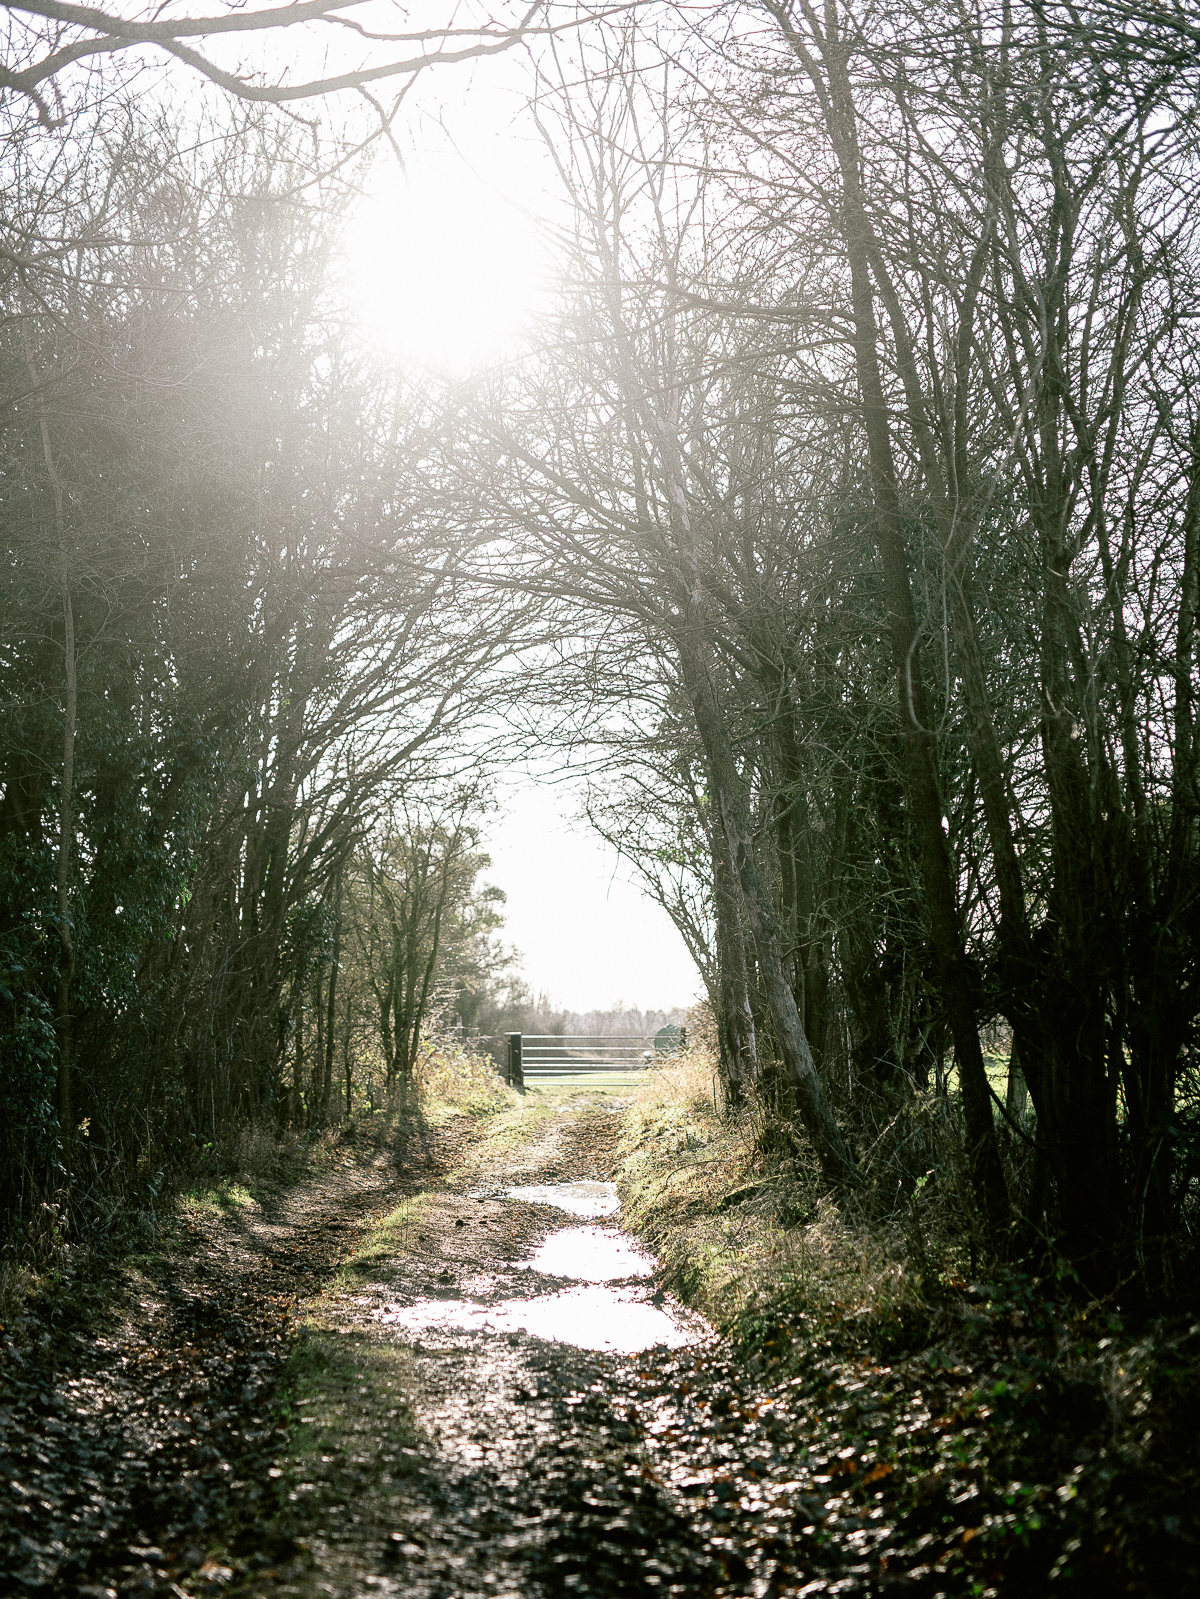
<point>440,269</point>
<point>447,261</point>
<point>589,937</point>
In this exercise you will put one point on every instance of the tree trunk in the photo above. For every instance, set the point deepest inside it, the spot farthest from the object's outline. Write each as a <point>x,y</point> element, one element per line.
<point>921,779</point>
<point>1155,1055</point>
<point>781,812</point>
<point>735,1018</point>
<point>64,1020</point>
<point>796,837</point>
<point>837,1163</point>
<point>347,1063</point>
<point>313,1115</point>
<point>296,1097</point>
<point>66,967</point>
<point>331,1007</point>
<point>1016,1097</point>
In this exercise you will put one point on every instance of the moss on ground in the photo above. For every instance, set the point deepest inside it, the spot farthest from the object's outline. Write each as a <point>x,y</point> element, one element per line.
<point>344,1387</point>
<point>394,1235</point>
<point>218,1198</point>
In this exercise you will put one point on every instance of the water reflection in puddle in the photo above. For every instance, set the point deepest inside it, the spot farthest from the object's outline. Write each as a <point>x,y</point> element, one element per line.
<point>590,1255</point>
<point>578,1199</point>
<point>609,1310</point>
<point>621,1320</point>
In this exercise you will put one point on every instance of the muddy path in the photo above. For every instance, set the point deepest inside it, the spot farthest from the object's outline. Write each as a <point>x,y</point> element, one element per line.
<point>493,1396</point>
<point>140,1427</point>
<point>436,1368</point>
<point>445,1448</point>
<point>343,1389</point>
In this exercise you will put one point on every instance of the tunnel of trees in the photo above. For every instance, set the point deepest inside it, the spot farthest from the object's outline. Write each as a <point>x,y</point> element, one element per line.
<point>842,517</point>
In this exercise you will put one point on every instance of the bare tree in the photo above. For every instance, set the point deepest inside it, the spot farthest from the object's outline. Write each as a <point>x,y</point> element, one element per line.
<point>420,909</point>
<point>272,632</point>
<point>612,513</point>
<point>44,42</point>
<point>1002,206</point>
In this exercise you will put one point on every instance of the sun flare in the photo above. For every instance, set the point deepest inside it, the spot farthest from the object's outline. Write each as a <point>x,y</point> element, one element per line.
<point>443,270</point>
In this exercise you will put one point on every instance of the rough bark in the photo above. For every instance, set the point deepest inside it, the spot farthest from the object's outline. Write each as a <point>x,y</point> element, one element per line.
<point>837,1163</point>
<point>331,1005</point>
<point>811,979</point>
<point>64,1020</point>
<point>736,1019</point>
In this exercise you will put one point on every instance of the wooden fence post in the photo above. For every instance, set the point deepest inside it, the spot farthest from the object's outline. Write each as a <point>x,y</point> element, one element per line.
<point>516,1072</point>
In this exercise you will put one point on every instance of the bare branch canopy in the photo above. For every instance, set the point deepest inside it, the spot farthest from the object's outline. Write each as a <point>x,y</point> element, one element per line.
<point>45,40</point>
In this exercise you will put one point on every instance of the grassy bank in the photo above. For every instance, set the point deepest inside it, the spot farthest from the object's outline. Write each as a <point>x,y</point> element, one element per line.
<point>1024,1440</point>
<point>742,1227</point>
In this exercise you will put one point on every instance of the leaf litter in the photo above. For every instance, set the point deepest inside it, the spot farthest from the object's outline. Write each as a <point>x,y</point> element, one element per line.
<point>163,1444</point>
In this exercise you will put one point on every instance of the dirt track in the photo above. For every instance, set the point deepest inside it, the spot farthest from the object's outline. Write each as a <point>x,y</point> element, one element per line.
<point>466,1462</point>
<point>138,1423</point>
<point>258,1418</point>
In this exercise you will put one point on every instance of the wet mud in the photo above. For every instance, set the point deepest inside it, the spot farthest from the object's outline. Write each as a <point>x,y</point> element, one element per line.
<point>494,1402</point>
<point>566,1427</point>
<point>440,1370</point>
<point>140,1424</point>
<point>513,1470</point>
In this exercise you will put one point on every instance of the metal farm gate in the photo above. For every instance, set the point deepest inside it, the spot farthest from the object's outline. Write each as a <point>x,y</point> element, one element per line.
<point>524,1055</point>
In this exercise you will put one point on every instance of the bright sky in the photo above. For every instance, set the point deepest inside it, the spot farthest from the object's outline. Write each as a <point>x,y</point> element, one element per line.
<point>589,937</point>
<point>447,262</point>
<point>443,270</point>
<point>446,258</point>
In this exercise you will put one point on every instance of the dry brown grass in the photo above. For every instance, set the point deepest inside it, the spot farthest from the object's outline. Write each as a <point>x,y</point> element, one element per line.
<point>258,1151</point>
<point>16,1285</point>
<point>738,1216</point>
<point>450,1076</point>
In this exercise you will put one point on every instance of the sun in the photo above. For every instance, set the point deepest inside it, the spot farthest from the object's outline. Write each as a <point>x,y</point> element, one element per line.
<point>442,268</point>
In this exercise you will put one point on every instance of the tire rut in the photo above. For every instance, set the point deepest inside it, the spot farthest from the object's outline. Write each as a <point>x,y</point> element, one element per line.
<point>138,1411</point>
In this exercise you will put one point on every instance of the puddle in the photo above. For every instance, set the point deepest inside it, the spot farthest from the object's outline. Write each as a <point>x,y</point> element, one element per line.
<point>609,1309</point>
<point>577,1199</point>
<point>590,1255</point>
<point>620,1320</point>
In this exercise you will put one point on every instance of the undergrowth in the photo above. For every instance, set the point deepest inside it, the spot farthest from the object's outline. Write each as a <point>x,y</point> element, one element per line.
<point>233,1172</point>
<point>1032,1442</point>
<point>452,1079</point>
<point>741,1224</point>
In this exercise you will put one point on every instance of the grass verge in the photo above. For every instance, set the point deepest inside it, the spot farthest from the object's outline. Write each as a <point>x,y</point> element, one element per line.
<point>1031,1444</point>
<point>744,1233</point>
<point>343,1387</point>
